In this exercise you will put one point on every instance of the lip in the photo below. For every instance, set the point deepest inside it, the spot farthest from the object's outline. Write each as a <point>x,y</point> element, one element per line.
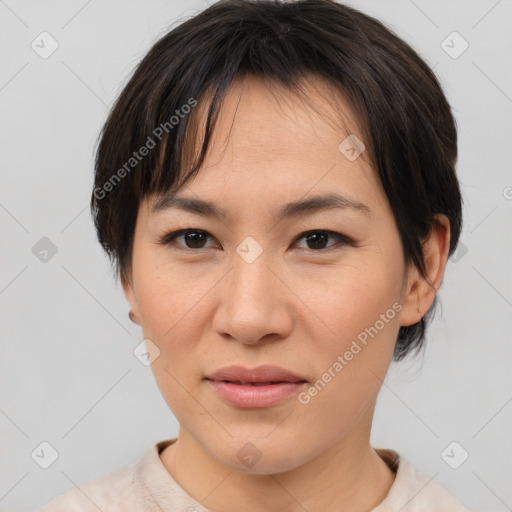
<point>239,392</point>
<point>264,373</point>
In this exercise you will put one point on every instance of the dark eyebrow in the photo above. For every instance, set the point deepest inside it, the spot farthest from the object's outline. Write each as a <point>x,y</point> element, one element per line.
<point>293,209</point>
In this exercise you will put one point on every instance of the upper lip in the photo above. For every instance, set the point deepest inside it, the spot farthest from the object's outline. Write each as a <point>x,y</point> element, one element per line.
<point>264,373</point>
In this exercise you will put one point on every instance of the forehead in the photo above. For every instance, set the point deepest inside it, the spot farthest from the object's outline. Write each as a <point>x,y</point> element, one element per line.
<point>259,117</point>
<point>262,122</point>
<point>272,145</point>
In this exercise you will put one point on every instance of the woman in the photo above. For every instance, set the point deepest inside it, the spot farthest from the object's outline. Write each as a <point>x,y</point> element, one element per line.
<point>276,189</point>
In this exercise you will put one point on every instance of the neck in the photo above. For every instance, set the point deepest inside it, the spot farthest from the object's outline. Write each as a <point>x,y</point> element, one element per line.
<point>348,476</point>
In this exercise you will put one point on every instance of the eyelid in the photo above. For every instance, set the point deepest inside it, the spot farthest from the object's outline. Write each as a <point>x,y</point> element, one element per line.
<point>169,237</point>
<point>344,238</point>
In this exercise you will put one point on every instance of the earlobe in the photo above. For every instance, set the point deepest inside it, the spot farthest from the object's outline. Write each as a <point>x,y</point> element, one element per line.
<point>132,301</point>
<point>420,291</point>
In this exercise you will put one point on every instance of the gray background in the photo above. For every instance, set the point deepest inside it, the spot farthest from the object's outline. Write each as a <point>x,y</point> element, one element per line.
<point>69,376</point>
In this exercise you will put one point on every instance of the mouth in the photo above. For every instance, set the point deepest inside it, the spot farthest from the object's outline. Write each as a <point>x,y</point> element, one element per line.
<point>270,383</point>
<point>262,387</point>
<point>264,375</point>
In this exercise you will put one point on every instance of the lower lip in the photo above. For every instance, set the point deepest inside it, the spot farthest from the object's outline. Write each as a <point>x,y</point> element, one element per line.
<point>252,397</point>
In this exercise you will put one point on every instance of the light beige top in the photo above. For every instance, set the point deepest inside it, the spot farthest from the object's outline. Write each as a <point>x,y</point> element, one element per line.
<point>147,486</point>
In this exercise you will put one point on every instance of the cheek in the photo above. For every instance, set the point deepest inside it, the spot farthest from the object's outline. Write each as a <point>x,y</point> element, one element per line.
<point>171,311</point>
<point>354,341</point>
<point>174,310</point>
<point>166,295</point>
<point>352,298</point>
<point>352,361</point>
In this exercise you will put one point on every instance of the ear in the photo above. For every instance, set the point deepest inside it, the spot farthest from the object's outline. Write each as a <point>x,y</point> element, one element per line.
<point>419,292</point>
<point>129,293</point>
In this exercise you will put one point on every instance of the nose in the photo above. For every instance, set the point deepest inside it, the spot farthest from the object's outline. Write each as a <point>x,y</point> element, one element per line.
<point>254,303</point>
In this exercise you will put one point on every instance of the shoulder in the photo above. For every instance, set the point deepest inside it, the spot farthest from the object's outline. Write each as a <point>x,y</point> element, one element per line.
<point>141,486</point>
<point>415,492</point>
<point>108,493</point>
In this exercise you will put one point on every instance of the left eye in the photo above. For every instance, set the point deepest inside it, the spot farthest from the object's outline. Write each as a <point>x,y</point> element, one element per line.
<point>317,239</point>
<point>196,238</point>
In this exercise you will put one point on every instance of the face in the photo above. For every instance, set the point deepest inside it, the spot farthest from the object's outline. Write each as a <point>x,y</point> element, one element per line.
<point>318,292</point>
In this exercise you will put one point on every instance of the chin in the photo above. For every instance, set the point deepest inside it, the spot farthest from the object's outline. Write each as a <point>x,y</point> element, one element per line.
<point>272,465</point>
<point>260,456</point>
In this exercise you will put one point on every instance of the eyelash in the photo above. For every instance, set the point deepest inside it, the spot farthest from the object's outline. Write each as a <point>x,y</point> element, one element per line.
<point>169,239</point>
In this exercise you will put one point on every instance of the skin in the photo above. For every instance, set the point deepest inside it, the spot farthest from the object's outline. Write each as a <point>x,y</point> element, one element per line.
<point>295,306</point>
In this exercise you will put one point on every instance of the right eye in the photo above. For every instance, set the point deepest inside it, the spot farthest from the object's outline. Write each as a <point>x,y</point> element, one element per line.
<point>193,239</point>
